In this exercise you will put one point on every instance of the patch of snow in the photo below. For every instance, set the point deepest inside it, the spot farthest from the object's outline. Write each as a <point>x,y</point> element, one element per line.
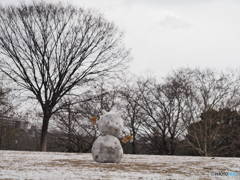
<point>52,165</point>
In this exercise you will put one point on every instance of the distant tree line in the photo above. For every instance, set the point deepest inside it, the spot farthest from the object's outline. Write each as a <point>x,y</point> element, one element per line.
<point>188,112</point>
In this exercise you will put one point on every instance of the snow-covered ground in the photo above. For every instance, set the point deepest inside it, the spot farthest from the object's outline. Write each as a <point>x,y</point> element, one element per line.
<point>49,165</point>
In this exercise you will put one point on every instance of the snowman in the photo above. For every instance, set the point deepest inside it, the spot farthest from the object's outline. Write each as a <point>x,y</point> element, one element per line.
<point>107,147</point>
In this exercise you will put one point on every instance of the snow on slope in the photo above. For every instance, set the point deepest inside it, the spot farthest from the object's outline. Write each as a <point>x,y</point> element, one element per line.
<point>50,165</point>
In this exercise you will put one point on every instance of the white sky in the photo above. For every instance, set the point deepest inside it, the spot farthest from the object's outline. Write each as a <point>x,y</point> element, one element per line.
<point>169,34</point>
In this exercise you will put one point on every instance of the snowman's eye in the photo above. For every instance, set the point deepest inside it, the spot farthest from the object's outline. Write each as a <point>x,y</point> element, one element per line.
<point>108,122</point>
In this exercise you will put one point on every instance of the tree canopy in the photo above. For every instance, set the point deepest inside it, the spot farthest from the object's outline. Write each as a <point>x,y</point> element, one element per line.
<point>49,49</point>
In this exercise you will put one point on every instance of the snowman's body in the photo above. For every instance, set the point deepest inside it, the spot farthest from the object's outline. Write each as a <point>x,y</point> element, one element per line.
<point>107,148</point>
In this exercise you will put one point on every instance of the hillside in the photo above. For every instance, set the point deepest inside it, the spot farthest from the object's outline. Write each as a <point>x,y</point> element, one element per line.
<point>50,165</point>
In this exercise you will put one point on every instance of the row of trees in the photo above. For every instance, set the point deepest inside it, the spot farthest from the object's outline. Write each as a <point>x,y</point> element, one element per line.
<point>191,110</point>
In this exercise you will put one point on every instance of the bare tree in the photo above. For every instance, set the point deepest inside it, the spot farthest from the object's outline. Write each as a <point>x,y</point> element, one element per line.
<point>77,133</point>
<point>132,113</point>
<point>155,126</point>
<point>50,49</point>
<point>216,133</point>
<point>171,96</point>
<point>210,91</point>
<point>165,106</point>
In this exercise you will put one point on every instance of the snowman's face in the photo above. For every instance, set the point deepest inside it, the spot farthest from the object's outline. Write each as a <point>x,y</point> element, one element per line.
<point>111,123</point>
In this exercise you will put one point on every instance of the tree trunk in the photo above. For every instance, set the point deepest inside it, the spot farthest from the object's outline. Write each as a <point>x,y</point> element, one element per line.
<point>133,147</point>
<point>43,140</point>
<point>133,142</point>
<point>164,144</point>
<point>0,143</point>
<point>172,146</point>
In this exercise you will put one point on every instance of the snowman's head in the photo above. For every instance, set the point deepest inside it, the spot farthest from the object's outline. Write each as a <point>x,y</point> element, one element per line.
<point>110,123</point>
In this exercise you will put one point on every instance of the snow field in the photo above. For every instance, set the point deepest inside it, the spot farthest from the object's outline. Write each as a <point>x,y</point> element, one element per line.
<point>52,165</point>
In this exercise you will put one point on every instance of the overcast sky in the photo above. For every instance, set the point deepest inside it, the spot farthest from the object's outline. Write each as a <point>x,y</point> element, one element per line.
<point>169,34</point>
